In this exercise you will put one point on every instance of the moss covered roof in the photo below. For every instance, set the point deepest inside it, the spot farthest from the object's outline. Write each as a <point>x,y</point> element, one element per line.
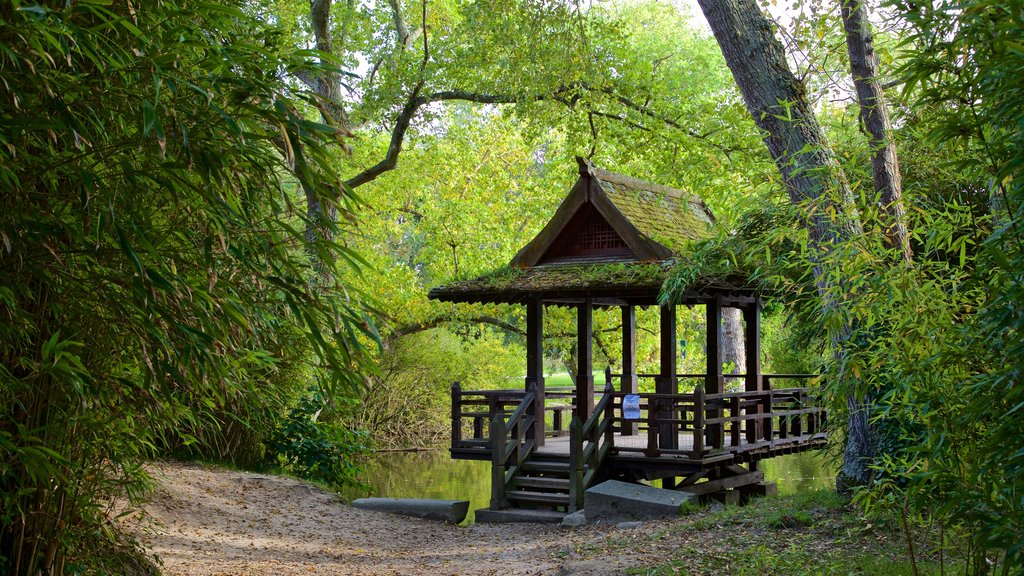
<point>665,215</point>
<point>654,221</point>
<point>511,284</point>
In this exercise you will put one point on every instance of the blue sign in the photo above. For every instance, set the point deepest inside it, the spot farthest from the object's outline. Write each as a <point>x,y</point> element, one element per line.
<point>631,406</point>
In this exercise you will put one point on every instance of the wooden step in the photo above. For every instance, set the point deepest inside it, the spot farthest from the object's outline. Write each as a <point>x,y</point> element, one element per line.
<point>538,497</point>
<point>561,484</point>
<point>534,465</point>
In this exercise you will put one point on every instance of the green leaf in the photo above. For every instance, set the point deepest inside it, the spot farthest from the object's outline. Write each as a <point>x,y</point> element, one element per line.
<point>148,117</point>
<point>133,258</point>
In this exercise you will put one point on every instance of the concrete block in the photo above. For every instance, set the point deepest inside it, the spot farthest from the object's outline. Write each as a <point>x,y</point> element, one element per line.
<point>450,511</point>
<point>615,501</point>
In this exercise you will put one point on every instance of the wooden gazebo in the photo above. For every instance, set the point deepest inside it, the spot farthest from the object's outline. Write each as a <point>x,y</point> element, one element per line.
<point>611,243</point>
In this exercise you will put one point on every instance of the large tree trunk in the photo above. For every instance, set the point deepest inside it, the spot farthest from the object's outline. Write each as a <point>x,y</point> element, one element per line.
<point>874,119</point>
<point>778,103</point>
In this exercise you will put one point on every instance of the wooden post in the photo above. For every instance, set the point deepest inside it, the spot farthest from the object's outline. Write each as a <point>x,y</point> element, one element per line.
<point>734,428</point>
<point>698,421</point>
<point>667,382</point>
<point>535,365</point>
<point>752,381</point>
<point>585,364</point>
<point>713,380</point>
<point>576,488</point>
<point>752,316</point>
<point>498,501</point>
<point>629,384</point>
<point>456,414</point>
<point>609,414</point>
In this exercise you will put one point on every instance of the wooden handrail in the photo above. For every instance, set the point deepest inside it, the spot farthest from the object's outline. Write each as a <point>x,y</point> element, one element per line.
<point>586,449</point>
<point>511,444</point>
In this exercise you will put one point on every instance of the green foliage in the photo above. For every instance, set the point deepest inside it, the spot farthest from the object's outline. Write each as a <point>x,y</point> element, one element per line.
<point>154,273</point>
<point>309,446</point>
<point>935,346</point>
<point>409,402</point>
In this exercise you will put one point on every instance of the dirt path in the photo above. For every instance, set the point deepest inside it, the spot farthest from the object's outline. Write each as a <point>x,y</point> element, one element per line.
<point>207,521</point>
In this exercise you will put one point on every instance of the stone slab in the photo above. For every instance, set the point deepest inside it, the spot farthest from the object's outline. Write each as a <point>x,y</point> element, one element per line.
<point>488,516</point>
<point>450,511</point>
<point>622,501</point>
<point>575,520</point>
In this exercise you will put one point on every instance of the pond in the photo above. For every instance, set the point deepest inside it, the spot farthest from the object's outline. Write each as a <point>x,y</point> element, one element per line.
<point>434,475</point>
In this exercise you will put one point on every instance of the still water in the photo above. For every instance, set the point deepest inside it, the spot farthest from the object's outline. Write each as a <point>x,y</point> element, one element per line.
<point>435,475</point>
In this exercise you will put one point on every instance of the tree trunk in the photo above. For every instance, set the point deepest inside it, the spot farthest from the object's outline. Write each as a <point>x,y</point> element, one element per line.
<point>328,88</point>
<point>731,337</point>
<point>778,103</point>
<point>874,120</point>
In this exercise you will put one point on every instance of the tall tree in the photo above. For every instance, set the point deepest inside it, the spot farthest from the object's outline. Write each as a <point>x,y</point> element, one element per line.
<point>874,120</point>
<point>814,180</point>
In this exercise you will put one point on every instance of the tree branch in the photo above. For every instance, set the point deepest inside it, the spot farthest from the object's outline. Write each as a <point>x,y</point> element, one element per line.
<point>567,95</point>
<point>434,323</point>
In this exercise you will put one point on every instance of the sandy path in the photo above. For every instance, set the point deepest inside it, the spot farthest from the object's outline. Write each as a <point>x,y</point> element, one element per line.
<point>208,522</point>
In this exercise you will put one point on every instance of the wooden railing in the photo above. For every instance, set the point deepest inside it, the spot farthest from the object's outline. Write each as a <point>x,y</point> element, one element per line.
<point>730,422</point>
<point>473,411</point>
<point>691,425</point>
<point>511,443</point>
<point>589,444</point>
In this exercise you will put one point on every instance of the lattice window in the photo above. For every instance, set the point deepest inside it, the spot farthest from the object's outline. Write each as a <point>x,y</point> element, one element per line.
<point>588,234</point>
<point>596,235</point>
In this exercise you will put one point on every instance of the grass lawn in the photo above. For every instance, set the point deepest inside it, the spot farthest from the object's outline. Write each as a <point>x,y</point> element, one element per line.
<point>562,379</point>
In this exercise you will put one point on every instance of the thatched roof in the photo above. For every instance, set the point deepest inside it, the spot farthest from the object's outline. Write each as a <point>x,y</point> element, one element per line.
<point>612,238</point>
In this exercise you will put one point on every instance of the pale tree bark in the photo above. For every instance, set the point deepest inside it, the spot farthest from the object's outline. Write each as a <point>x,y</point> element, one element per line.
<point>731,337</point>
<point>874,121</point>
<point>778,103</point>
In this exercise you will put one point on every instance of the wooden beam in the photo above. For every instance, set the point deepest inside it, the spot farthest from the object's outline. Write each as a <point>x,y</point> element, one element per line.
<point>726,483</point>
<point>629,383</point>
<point>585,361</point>
<point>535,364</point>
<point>667,383</point>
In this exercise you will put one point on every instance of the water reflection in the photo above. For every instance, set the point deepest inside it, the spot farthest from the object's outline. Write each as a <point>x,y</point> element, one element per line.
<point>435,475</point>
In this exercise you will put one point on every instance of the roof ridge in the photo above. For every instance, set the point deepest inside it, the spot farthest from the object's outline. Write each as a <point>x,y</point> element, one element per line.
<point>616,178</point>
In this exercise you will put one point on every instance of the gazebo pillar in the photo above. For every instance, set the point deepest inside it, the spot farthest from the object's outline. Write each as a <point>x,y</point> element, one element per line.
<point>535,364</point>
<point>753,381</point>
<point>713,380</point>
<point>752,316</point>
<point>585,360</point>
<point>629,382</point>
<point>667,382</point>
